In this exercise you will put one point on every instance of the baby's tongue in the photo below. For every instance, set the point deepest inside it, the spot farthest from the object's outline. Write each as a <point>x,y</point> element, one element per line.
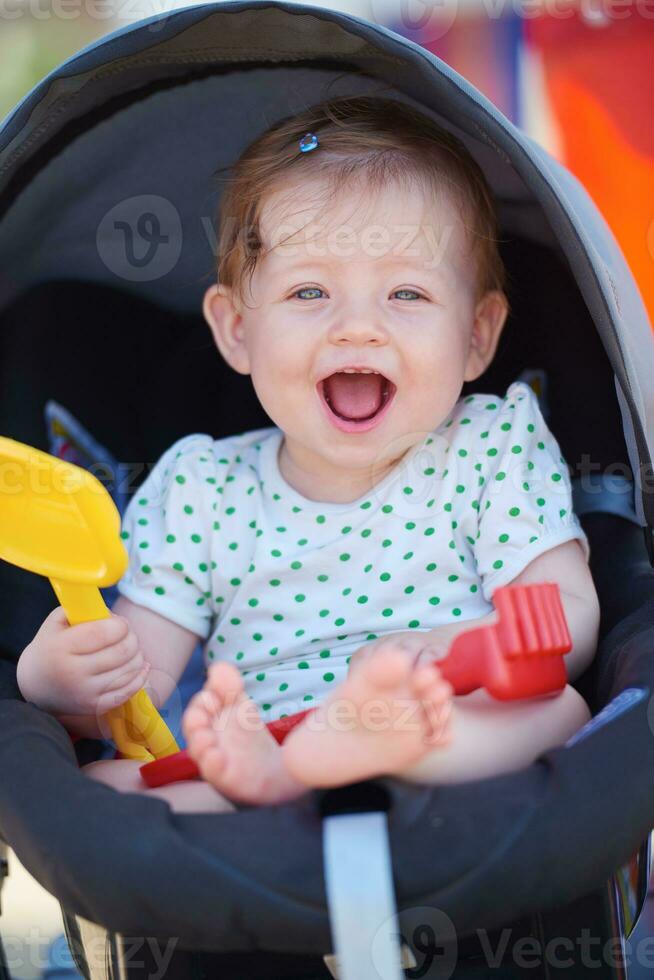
<point>354,396</point>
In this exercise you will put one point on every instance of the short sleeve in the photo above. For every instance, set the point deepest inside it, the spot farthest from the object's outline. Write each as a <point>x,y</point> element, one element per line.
<point>525,505</point>
<point>166,530</point>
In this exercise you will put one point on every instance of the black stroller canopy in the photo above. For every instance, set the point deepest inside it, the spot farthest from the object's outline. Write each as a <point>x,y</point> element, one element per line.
<point>146,116</point>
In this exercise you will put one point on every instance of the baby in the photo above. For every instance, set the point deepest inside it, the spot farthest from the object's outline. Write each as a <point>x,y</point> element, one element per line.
<point>329,560</point>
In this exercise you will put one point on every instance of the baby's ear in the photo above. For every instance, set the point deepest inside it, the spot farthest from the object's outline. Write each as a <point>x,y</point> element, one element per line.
<point>490,316</point>
<point>222,313</point>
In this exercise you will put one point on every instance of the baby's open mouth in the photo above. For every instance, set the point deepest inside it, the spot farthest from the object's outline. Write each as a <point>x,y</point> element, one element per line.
<point>356,397</point>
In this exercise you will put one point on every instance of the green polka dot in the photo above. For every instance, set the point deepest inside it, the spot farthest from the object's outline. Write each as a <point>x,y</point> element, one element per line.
<point>124,535</point>
<point>434,600</point>
<point>160,590</point>
<point>408,490</point>
<point>387,508</point>
<point>146,569</point>
<point>299,597</point>
<point>413,623</point>
<point>505,426</point>
<point>500,475</point>
<point>514,511</point>
<point>324,654</point>
<point>303,665</point>
<point>188,509</point>
<point>366,533</point>
<point>181,479</point>
<point>328,677</point>
<point>387,612</point>
<point>456,611</point>
<point>344,557</point>
<point>503,538</point>
<point>178,566</point>
<point>516,449</point>
<point>320,519</point>
<point>556,477</point>
<point>362,599</point>
<point>384,577</point>
<point>195,538</point>
<point>492,452</point>
<point>296,564</point>
<point>498,563</point>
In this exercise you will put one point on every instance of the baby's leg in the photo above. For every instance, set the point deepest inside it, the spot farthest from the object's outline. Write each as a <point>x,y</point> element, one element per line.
<point>190,796</point>
<point>491,737</point>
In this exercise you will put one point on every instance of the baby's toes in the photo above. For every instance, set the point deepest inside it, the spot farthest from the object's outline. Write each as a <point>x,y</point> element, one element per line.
<point>225,681</point>
<point>387,667</point>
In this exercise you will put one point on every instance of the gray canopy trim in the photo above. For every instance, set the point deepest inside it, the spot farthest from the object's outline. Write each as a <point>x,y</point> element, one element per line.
<point>235,33</point>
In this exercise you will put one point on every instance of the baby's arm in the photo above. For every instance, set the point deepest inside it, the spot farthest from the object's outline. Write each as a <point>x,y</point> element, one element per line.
<point>567,566</point>
<point>79,672</point>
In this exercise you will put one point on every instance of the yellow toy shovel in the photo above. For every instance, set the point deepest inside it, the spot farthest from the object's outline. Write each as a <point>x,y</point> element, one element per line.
<point>56,519</point>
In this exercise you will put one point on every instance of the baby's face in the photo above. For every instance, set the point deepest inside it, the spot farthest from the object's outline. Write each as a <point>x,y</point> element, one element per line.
<point>385,282</point>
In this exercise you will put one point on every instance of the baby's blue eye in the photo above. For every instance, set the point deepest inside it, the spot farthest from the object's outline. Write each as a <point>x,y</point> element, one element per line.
<point>308,289</point>
<point>411,292</point>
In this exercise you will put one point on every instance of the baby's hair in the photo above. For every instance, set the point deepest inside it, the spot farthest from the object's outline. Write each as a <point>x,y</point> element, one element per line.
<point>379,139</point>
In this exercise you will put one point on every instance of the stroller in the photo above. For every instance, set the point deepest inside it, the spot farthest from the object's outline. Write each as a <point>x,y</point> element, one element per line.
<point>106,207</point>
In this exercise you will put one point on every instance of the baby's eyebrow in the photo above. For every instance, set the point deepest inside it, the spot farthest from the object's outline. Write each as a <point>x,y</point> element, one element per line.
<point>389,261</point>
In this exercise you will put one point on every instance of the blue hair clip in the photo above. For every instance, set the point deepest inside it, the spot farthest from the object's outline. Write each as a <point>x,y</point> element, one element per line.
<point>308,142</point>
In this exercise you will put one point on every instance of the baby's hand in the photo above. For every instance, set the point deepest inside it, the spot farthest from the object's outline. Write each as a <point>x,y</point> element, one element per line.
<point>84,669</point>
<point>425,646</point>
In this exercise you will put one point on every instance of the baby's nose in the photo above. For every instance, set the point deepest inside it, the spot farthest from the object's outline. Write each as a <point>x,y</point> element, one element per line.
<point>360,329</point>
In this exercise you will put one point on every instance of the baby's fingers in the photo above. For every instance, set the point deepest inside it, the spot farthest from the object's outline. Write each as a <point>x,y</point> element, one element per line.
<point>115,656</point>
<point>96,635</point>
<point>113,698</point>
<point>114,680</point>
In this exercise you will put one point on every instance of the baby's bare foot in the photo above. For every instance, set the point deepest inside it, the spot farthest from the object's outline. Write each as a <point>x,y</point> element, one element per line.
<point>232,745</point>
<point>384,718</point>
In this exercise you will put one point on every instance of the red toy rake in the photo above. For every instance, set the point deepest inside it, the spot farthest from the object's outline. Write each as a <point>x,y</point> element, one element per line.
<point>520,656</point>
